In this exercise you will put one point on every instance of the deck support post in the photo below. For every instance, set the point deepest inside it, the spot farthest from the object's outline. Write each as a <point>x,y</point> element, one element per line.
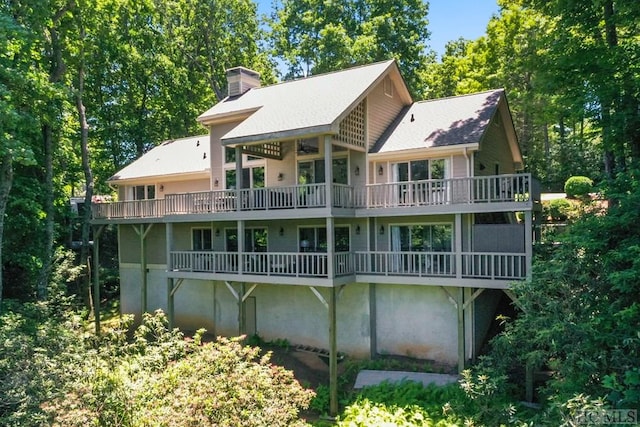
<point>333,354</point>
<point>528,242</point>
<point>458,245</point>
<point>96,276</point>
<point>461,337</point>
<point>239,184</point>
<point>170,292</point>
<point>328,174</point>
<point>373,330</point>
<point>142,233</point>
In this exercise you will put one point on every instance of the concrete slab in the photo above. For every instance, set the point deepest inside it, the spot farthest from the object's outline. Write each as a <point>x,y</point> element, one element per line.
<point>369,377</point>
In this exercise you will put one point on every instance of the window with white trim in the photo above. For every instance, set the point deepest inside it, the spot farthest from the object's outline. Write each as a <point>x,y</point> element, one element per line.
<point>201,239</point>
<point>314,239</point>
<point>255,239</point>
<point>422,238</point>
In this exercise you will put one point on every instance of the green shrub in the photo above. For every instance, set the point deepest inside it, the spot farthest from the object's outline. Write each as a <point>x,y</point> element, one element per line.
<point>557,209</point>
<point>578,186</point>
<point>159,378</point>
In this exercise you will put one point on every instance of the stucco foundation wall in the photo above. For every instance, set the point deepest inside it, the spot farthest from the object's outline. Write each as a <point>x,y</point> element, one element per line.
<point>193,303</point>
<point>295,313</point>
<point>131,289</point>
<point>226,310</point>
<point>416,321</point>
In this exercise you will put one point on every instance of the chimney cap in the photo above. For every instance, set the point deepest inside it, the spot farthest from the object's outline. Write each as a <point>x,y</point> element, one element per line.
<point>242,70</point>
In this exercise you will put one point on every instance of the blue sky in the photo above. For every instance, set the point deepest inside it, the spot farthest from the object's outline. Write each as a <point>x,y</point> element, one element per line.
<point>448,19</point>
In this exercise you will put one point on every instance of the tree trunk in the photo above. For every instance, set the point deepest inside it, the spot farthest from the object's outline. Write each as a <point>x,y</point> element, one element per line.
<point>56,71</point>
<point>43,279</point>
<point>85,285</point>
<point>6,180</point>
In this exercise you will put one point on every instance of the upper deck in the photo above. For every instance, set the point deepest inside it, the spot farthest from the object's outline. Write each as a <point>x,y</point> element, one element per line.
<point>519,192</point>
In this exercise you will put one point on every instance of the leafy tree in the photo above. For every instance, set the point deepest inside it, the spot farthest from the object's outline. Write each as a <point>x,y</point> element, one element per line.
<point>590,60</point>
<point>580,311</point>
<point>314,36</point>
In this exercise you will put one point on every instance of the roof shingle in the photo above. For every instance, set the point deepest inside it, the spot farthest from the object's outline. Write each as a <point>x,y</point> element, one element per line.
<point>313,103</point>
<point>175,156</point>
<point>441,122</point>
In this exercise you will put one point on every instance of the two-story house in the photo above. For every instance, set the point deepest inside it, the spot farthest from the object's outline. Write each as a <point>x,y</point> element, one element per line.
<point>333,211</point>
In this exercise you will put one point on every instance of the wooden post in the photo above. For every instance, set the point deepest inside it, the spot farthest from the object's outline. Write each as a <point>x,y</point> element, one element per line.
<point>143,269</point>
<point>458,245</point>
<point>461,337</point>
<point>242,317</point>
<point>333,354</point>
<point>328,172</point>
<point>373,312</point>
<point>528,241</point>
<point>528,382</point>
<point>170,297</point>
<point>96,277</point>
<point>330,248</point>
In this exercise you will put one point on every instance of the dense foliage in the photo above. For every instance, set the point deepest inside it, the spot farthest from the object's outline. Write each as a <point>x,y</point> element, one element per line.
<point>580,312</point>
<point>54,372</point>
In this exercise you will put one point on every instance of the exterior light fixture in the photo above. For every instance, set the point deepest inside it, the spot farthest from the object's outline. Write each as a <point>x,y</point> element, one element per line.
<point>161,187</point>
<point>381,230</point>
<point>358,229</point>
<point>357,171</point>
<point>281,231</point>
<point>380,170</point>
<point>216,182</point>
<point>280,176</point>
<point>217,232</point>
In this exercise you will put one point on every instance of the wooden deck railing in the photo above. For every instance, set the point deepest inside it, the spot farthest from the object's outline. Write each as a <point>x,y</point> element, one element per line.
<point>519,188</point>
<point>494,266</point>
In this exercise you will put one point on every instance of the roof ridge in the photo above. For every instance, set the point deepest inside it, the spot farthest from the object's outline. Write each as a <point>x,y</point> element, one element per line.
<point>424,101</point>
<point>328,73</point>
<point>172,140</point>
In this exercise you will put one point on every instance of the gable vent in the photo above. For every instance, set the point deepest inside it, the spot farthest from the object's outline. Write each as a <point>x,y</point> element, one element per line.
<point>240,80</point>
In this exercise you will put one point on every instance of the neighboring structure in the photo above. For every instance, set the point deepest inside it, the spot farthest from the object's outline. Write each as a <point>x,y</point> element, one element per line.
<point>332,211</point>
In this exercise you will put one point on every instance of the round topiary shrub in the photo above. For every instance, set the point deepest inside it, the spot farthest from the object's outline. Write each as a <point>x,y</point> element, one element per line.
<point>578,186</point>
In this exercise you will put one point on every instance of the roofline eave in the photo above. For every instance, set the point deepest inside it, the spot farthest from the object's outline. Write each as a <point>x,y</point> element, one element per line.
<point>212,119</point>
<point>183,176</point>
<point>279,136</point>
<point>446,149</point>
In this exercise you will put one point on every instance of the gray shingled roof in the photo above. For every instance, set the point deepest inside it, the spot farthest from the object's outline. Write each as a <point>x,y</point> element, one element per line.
<point>441,122</point>
<point>301,106</point>
<point>176,156</point>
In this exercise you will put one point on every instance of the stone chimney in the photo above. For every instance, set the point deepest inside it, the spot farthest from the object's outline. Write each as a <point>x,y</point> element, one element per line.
<point>240,80</point>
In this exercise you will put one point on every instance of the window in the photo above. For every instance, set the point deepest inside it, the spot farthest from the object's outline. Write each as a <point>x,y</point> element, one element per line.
<point>201,239</point>
<point>252,177</point>
<point>307,146</point>
<point>255,240</point>
<point>314,239</point>
<point>422,238</point>
<point>312,171</point>
<point>419,170</point>
<point>144,192</point>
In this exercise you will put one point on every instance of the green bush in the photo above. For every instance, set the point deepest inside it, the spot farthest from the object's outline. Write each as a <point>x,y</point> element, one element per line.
<point>578,186</point>
<point>55,371</point>
<point>558,209</point>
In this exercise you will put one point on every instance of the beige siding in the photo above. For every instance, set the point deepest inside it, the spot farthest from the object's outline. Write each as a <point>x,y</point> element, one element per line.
<point>286,166</point>
<point>183,187</point>
<point>381,111</point>
<point>494,150</point>
<point>217,152</point>
<point>458,167</point>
